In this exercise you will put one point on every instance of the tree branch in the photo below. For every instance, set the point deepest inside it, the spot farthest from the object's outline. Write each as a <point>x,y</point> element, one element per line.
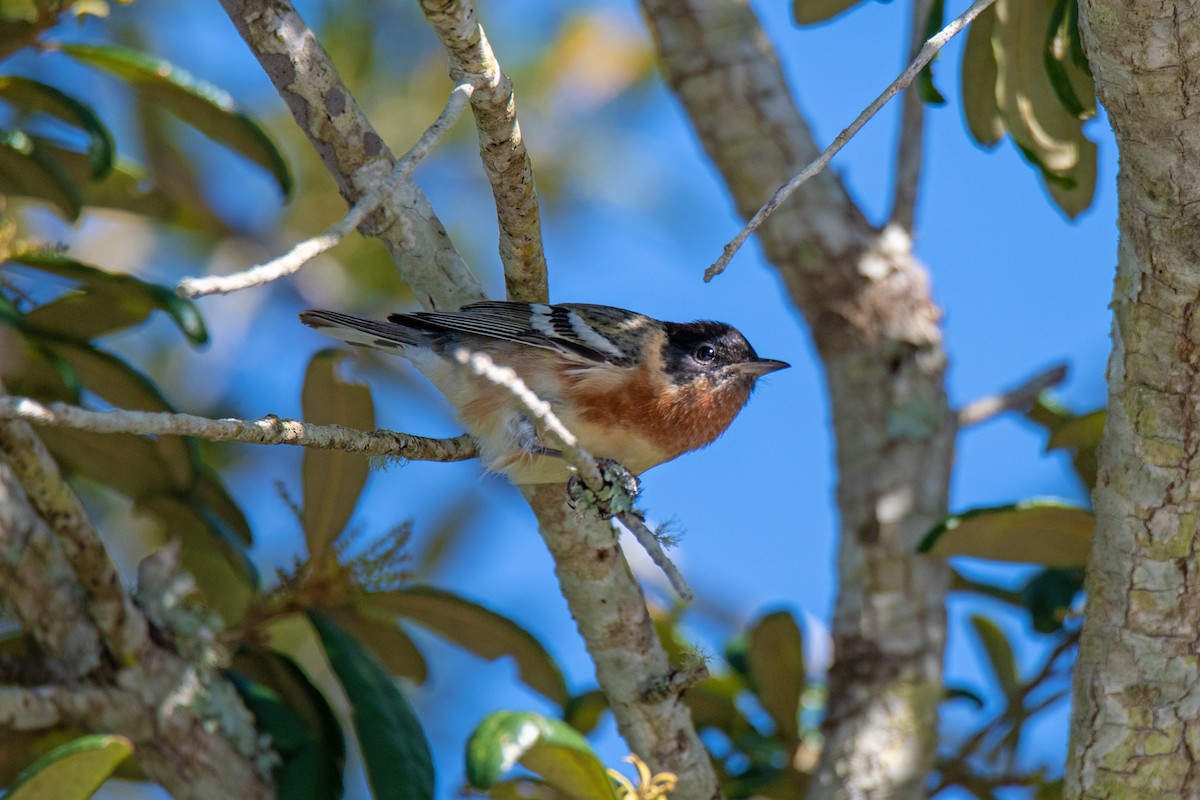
<point>924,56</point>
<point>912,131</point>
<point>1015,399</point>
<point>353,152</point>
<point>267,430</point>
<point>305,251</point>
<point>501,147</point>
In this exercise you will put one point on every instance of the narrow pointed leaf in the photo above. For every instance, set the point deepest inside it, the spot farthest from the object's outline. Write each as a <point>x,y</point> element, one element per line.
<point>933,23</point>
<point>184,312</point>
<point>999,654</point>
<point>73,771</point>
<point>1044,532</point>
<point>811,12</point>
<point>399,765</point>
<point>333,480</point>
<point>775,656</point>
<point>27,170</point>
<point>125,187</point>
<point>209,109</point>
<point>548,747</point>
<point>978,84</point>
<point>478,629</point>
<point>32,96</point>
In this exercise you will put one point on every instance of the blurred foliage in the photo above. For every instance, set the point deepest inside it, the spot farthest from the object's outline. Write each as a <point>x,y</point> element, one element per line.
<point>1024,72</point>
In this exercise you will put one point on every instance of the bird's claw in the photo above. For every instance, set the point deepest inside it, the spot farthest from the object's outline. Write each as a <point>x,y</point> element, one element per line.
<point>621,488</point>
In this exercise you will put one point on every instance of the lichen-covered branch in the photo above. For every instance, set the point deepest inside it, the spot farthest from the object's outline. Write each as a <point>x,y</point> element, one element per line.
<point>867,301</point>
<point>353,152</point>
<point>501,146</point>
<point>267,430</point>
<point>331,237</point>
<point>1134,728</point>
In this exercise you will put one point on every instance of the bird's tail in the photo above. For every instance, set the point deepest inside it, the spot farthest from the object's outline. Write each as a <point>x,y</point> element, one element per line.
<point>362,332</point>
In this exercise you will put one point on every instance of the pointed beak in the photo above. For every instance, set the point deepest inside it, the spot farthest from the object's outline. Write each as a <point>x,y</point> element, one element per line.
<point>760,366</point>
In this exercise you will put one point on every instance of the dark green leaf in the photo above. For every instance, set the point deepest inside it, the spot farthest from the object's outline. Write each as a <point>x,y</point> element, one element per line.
<point>1049,595</point>
<point>999,654</point>
<point>28,170</point>
<point>775,655</point>
<point>958,583</point>
<point>333,480</point>
<point>933,23</point>
<point>962,693</point>
<point>394,748</point>
<point>126,187</point>
<point>548,747</point>
<point>1056,48</point>
<point>1044,532</point>
<point>73,771</point>
<point>384,637</point>
<point>30,370</point>
<point>478,629</point>
<point>209,109</point>
<point>35,97</point>
<point>182,311</point>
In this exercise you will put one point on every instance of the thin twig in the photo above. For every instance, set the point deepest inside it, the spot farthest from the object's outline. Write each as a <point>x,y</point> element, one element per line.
<point>267,430</point>
<point>909,149</point>
<point>926,54</point>
<point>548,423</point>
<point>1013,400</point>
<point>305,251</point>
<point>501,146</point>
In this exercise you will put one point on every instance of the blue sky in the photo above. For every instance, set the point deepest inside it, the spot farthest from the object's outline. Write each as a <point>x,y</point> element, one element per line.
<point>642,216</point>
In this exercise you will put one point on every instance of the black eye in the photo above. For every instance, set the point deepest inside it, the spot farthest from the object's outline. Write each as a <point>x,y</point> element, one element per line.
<point>705,353</point>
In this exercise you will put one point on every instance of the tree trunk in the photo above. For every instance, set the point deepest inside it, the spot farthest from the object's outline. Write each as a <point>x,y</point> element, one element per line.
<point>867,301</point>
<point>1136,724</point>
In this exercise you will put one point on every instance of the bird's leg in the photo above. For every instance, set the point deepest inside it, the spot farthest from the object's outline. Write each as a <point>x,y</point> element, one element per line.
<point>528,440</point>
<point>621,488</point>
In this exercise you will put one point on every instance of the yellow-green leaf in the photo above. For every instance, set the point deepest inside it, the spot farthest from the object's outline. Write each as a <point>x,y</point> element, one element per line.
<point>979,82</point>
<point>999,654</point>
<point>27,170</point>
<point>333,480</point>
<point>208,108</point>
<point>1043,532</point>
<point>384,637</point>
<point>73,771</point>
<point>548,747</point>
<point>810,12</point>
<point>775,659</point>
<point>478,629</point>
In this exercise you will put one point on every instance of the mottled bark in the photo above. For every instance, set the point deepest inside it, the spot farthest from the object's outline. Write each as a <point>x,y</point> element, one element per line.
<point>868,303</point>
<point>1136,724</point>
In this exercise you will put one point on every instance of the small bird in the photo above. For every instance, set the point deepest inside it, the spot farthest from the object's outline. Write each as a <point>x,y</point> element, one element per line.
<point>633,389</point>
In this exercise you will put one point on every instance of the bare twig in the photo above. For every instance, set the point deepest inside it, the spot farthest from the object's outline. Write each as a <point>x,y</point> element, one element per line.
<point>1013,400</point>
<point>267,430</point>
<point>309,249</point>
<point>501,147</point>
<point>352,150</point>
<point>548,423</point>
<point>924,56</point>
<point>912,131</point>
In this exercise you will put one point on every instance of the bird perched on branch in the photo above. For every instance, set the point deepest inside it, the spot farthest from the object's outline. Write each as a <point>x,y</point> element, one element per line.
<point>632,389</point>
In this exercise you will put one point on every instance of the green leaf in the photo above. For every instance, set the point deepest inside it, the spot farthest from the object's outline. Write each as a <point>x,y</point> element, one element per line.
<point>210,493</point>
<point>399,766</point>
<point>478,629</point>
<point>978,84</point>
<point>286,679</point>
<point>1044,532</point>
<point>333,480</point>
<point>775,657</point>
<point>73,771</point>
<point>28,170</point>
<point>810,12</point>
<point>384,637</point>
<point>962,693</point>
<point>30,370</point>
<point>126,187</point>
<point>1049,595</point>
<point>583,711</point>
<point>999,654</point>
<point>550,748</point>
<point>35,97</point>
<point>309,771</point>
<point>933,23</point>
<point>206,107</point>
<point>184,312</point>
<point>91,312</point>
